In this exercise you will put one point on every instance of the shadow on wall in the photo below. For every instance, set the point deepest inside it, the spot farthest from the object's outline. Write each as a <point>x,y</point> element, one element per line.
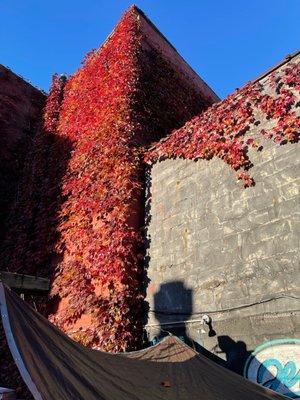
<point>173,303</point>
<point>236,353</point>
<point>173,306</point>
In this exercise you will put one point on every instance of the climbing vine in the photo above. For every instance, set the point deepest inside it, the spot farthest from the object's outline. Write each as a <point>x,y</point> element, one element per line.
<point>229,128</point>
<point>117,103</point>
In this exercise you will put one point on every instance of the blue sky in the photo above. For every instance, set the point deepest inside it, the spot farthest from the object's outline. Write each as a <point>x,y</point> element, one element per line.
<point>227,42</point>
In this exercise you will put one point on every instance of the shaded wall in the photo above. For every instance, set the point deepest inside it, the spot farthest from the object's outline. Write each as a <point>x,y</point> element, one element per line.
<point>20,108</point>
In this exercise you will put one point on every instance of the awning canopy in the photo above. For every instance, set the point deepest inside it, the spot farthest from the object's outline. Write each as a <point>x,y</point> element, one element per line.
<point>55,367</point>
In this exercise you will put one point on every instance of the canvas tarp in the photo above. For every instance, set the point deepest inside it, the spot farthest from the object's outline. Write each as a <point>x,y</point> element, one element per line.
<point>56,368</point>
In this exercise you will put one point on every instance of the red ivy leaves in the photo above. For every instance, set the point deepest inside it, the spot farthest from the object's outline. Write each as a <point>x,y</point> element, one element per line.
<point>118,102</point>
<point>224,129</point>
<point>98,242</point>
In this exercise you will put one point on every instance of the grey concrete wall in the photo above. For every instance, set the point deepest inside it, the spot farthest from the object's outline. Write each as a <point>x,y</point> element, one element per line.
<point>214,246</point>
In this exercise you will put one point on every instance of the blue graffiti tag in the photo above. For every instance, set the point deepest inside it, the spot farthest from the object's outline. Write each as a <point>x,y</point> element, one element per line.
<point>281,376</point>
<point>287,375</point>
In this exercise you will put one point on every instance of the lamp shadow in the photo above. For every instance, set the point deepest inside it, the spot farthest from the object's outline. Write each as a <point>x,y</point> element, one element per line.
<point>173,309</point>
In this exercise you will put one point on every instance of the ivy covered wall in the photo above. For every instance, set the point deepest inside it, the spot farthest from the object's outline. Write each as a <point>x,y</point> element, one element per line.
<point>216,247</point>
<point>79,216</point>
<point>20,110</point>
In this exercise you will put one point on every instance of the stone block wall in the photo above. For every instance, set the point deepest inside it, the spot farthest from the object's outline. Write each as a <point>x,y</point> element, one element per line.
<point>232,253</point>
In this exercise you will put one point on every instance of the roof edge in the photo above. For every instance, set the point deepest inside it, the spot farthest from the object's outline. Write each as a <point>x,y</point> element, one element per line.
<point>214,97</point>
<point>23,79</point>
<point>287,59</point>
